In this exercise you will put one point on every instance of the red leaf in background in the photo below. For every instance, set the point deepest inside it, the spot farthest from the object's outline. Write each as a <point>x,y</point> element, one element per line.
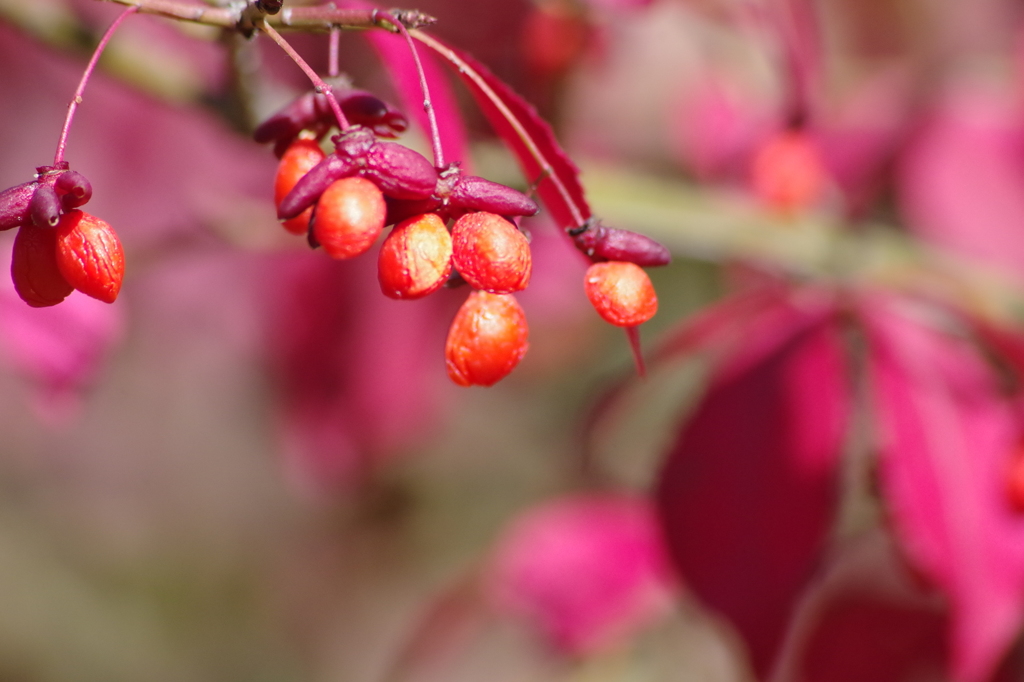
<point>394,53</point>
<point>748,493</point>
<point>866,637</point>
<point>866,618</point>
<point>352,389</point>
<point>529,137</point>
<point>947,436</point>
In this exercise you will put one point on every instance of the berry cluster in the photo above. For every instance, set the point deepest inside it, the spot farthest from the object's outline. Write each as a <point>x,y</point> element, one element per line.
<point>343,201</point>
<point>59,248</point>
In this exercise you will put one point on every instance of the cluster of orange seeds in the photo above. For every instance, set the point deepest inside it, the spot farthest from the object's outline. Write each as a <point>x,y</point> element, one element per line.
<point>489,334</point>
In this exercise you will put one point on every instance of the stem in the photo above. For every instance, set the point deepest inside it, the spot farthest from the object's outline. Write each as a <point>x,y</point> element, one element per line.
<point>58,157</point>
<point>633,334</point>
<point>428,106</point>
<point>546,171</point>
<point>332,55</point>
<point>318,17</point>
<point>318,82</point>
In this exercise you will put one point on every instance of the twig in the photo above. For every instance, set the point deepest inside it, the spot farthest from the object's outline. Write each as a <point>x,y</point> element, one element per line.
<point>428,106</point>
<point>58,156</point>
<point>318,82</point>
<point>318,17</point>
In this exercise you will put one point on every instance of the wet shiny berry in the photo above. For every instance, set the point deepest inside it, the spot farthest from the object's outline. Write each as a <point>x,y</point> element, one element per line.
<point>298,159</point>
<point>349,217</point>
<point>416,258</point>
<point>487,339</point>
<point>89,255</point>
<point>37,279</point>
<point>490,253</point>
<point>621,293</point>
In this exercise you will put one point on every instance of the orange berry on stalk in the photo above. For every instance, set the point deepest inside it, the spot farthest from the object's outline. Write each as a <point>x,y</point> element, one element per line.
<point>349,217</point>
<point>788,173</point>
<point>416,258</point>
<point>621,293</point>
<point>34,270</point>
<point>89,255</point>
<point>298,159</point>
<point>1015,480</point>
<point>487,339</point>
<point>491,253</point>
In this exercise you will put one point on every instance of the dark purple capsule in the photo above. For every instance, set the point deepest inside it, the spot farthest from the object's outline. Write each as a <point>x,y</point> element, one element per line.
<point>44,207</point>
<point>75,188</point>
<point>289,121</point>
<point>312,111</point>
<point>307,190</point>
<point>14,205</point>
<point>608,243</point>
<point>400,172</point>
<point>471,193</point>
<point>366,109</point>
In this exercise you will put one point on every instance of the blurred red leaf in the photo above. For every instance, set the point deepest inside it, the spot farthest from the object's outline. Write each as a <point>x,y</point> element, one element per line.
<point>352,389</point>
<point>748,493</point>
<point>394,53</point>
<point>865,636</point>
<point>527,135</point>
<point>947,436</point>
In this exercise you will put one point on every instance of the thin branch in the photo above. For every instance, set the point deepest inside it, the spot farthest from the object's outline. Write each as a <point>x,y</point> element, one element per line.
<point>318,82</point>
<point>428,105</point>
<point>546,171</point>
<point>58,156</point>
<point>317,17</point>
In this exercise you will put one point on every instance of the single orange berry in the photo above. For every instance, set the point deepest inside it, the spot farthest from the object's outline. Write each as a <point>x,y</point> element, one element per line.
<point>1015,480</point>
<point>298,159</point>
<point>34,270</point>
<point>487,339</point>
<point>416,258</point>
<point>621,293</point>
<point>788,173</point>
<point>89,255</point>
<point>349,217</point>
<point>490,253</point>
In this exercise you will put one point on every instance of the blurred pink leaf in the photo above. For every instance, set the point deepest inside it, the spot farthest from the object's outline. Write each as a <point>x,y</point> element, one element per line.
<point>860,136</point>
<point>357,373</point>
<point>526,134</point>
<point>715,127</point>
<point>961,181</point>
<point>947,436</point>
<point>748,492</point>
<point>60,348</point>
<point>587,570</point>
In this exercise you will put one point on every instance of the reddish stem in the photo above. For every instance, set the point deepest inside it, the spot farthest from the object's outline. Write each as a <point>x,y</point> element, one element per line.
<point>633,334</point>
<point>62,143</point>
<point>428,106</point>
<point>546,170</point>
<point>318,82</point>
